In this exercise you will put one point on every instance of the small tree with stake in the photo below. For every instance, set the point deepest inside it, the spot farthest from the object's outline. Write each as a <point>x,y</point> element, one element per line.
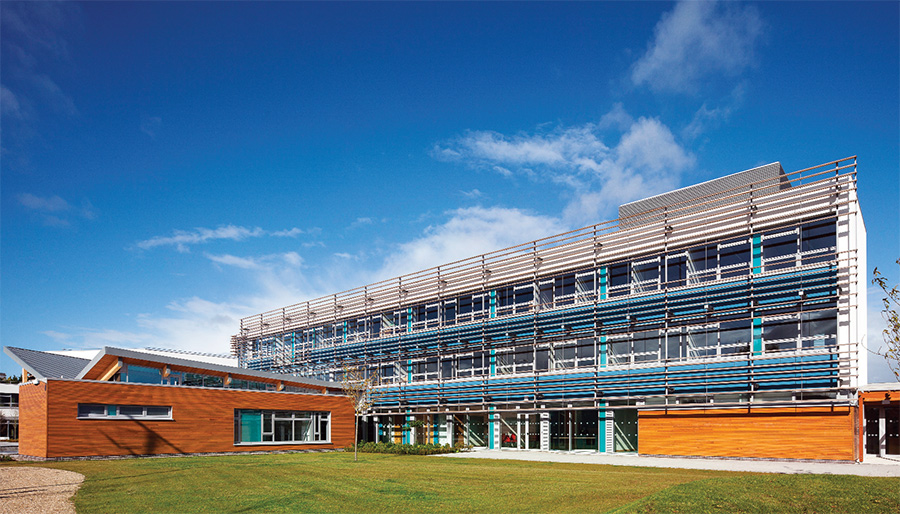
<point>363,392</point>
<point>891,350</point>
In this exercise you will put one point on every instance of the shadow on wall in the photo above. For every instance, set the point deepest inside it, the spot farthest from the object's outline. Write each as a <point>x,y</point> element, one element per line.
<point>141,441</point>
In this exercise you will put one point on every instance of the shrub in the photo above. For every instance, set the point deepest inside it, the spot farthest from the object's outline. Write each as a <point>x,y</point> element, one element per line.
<point>407,449</point>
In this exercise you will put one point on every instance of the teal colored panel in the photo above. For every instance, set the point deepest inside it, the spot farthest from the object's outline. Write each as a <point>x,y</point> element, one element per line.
<point>111,410</point>
<point>757,336</point>
<point>493,303</point>
<point>603,351</point>
<point>493,362</point>
<point>603,282</point>
<point>601,427</point>
<point>757,253</point>
<point>251,426</point>
<point>491,427</point>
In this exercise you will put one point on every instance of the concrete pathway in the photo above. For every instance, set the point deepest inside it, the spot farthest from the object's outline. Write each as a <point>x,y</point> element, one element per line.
<point>33,490</point>
<point>873,467</point>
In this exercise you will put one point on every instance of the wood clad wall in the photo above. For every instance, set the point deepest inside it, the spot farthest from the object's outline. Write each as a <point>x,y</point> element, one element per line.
<point>786,433</point>
<point>203,419</point>
<point>33,419</point>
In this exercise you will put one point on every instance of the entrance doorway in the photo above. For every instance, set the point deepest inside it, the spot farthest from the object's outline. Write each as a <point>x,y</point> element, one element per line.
<point>882,430</point>
<point>520,431</point>
<point>625,431</point>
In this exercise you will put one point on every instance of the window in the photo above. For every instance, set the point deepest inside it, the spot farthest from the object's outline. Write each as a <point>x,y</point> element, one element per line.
<point>280,427</point>
<point>734,258</point>
<point>818,329</point>
<point>818,241</point>
<point>645,275</point>
<point>779,250</point>
<point>646,346</point>
<point>101,411</point>
<point>734,338</point>
<point>9,400</point>
<point>425,370</point>
<point>618,279</point>
<point>780,334</point>
<point>142,374</point>
<point>676,270</point>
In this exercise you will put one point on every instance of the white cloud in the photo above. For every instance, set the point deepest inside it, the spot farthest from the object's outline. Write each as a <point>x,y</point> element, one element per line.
<point>231,260</point>
<point>256,263</point>
<point>9,104</point>
<point>55,211</point>
<point>697,40</point>
<point>474,193</point>
<point>703,118</point>
<point>706,118</point>
<point>645,161</point>
<point>43,203</point>
<point>181,239</point>
<point>294,232</point>
<point>468,232</point>
<point>151,125</point>
<point>59,337</point>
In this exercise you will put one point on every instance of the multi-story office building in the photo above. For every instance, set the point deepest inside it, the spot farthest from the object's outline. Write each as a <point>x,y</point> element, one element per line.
<point>723,319</point>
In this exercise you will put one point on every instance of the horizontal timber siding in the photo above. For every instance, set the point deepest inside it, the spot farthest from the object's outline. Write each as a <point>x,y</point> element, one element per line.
<point>203,419</point>
<point>820,433</point>
<point>33,419</point>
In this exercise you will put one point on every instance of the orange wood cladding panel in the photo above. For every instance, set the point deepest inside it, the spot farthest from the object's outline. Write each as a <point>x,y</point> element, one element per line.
<point>203,419</point>
<point>33,419</point>
<point>820,433</point>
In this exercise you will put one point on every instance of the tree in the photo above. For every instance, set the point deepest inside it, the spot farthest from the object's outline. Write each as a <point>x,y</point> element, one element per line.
<point>891,302</point>
<point>362,389</point>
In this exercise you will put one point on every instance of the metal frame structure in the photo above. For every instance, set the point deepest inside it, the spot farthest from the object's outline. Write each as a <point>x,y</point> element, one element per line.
<point>636,279</point>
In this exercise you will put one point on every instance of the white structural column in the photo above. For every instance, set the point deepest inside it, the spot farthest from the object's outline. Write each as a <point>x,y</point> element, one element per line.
<point>545,431</point>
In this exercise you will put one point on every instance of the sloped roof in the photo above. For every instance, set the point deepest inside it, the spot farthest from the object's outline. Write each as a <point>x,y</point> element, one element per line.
<point>109,353</point>
<point>45,365</point>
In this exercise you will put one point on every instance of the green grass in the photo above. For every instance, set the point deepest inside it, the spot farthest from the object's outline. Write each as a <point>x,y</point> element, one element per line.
<point>332,482</point>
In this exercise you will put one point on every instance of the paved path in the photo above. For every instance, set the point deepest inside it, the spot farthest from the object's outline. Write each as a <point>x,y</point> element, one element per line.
<point>33,490</point>
<point>873,468</point>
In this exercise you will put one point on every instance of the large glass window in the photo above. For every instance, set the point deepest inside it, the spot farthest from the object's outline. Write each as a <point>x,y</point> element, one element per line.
<point>279,427</point>
<point>142,374</point>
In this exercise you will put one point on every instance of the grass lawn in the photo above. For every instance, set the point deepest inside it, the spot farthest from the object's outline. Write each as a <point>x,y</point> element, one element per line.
<point>332,482</point>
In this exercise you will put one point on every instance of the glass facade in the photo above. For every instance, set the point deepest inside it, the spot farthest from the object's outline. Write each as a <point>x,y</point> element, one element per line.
<point>262,426</point>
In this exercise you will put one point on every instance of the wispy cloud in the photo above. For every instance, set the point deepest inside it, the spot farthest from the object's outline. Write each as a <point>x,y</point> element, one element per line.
<point>707,118</point>
<point>698,40</point>
<point>55,211</point>
<point>43,203</point>
<point>150,125</point>
<point>9,104</point>
<point>256,263</point>
<point>36,39</point>
<point>183,239</point>
<point>474,193</point>
<point>645,160</point>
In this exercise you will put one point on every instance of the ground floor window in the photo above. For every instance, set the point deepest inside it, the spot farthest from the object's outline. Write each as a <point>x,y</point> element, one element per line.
<point>9,428</point>
<point>266,426</point>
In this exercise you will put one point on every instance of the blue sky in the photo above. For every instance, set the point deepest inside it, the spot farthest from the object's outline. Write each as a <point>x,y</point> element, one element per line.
<point>168,168</point>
